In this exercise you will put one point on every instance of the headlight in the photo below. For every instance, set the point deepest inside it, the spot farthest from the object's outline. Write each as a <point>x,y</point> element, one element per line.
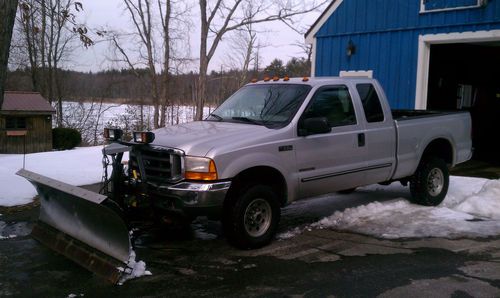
<point>199,168</point>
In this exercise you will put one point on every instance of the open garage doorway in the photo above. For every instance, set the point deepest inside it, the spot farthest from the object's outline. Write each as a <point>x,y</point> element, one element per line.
<point>466,76</point>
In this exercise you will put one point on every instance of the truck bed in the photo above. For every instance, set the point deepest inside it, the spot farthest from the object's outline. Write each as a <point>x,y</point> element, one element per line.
<point>415,129</point>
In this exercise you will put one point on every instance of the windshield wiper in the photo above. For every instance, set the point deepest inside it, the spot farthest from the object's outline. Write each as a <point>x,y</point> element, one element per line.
<point>217,117</point>
<point>248,120</point>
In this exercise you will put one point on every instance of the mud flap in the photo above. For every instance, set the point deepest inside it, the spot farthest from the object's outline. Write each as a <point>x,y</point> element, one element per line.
<point>74,222</point>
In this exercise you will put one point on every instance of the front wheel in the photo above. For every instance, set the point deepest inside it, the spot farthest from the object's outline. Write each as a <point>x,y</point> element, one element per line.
<point>429,184</point>
<point>250,219</point>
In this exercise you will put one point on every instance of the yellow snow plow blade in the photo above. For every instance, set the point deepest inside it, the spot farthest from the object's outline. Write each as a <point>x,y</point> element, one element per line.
<point>74,222</point>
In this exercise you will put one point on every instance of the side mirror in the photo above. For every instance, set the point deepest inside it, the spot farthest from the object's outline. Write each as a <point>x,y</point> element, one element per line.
<point>312,126</point>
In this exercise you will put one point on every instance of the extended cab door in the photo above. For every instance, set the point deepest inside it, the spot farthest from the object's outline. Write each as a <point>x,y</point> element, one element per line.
<point>334,160</point>
<point>380,133</point>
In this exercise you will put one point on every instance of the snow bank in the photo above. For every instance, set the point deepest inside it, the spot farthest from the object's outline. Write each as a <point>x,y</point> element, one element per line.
<point>79,166</point>
<point>134,269</point>
<point>471,209</point>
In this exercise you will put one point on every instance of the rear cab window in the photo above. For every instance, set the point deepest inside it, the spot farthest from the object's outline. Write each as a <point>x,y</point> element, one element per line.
<point>371,103</point>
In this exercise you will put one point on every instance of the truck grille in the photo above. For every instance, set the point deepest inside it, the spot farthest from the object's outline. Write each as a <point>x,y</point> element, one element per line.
<point>159,165</point>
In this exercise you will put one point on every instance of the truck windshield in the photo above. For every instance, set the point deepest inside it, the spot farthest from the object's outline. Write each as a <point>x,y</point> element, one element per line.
<point>272,105</point>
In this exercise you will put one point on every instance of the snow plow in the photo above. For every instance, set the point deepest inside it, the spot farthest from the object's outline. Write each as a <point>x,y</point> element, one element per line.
<point>78,224</point>
<point>87,227</point>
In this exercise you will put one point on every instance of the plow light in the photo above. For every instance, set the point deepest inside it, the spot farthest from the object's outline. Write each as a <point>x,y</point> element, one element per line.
<point>112,134</point>
<point>145,137</point>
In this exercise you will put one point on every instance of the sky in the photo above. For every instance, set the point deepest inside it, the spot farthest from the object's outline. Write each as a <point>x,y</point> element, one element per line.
<point>277,38</point>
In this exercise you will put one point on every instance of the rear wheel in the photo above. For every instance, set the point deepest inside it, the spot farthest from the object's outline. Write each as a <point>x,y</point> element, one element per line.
<point>429,184</point>
<point>251,218</point>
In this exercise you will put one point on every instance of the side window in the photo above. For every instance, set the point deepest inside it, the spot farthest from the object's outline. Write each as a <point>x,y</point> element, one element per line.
<point>371,103</point>
<point>335,104</point>
<point>15,123</point>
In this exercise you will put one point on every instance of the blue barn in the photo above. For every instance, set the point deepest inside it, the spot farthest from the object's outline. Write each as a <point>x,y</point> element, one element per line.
<point>427,54</point>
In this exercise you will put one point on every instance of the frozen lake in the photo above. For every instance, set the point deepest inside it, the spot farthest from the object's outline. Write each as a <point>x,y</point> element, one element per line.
<point>91,118</point>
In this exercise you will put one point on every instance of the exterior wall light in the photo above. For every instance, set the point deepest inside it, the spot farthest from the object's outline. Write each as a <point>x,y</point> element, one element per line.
<point>351,49</point>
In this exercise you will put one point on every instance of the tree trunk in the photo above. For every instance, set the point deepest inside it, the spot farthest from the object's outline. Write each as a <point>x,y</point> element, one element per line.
<point>202,87</point>
<point>7,17</point>
<point>166,61</point>
<point>202,78</point>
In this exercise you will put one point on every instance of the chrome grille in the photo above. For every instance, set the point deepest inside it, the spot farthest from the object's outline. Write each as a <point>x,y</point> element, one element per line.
<point>156,164</point>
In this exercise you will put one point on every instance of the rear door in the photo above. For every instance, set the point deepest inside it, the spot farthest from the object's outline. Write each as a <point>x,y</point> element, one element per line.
<point>331,161</point>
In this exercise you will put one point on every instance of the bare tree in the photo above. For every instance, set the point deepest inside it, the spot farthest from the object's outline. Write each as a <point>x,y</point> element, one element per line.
<point>145,19</point>
<point>48,28</point>
<point>7,17</point>
<point>226,16</point>
<point>243,51</point>
<point>140,13</point>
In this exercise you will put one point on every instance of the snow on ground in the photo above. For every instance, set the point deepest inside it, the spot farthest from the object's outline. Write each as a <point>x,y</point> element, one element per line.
<point>471,209</point>
<point>79,166</point>
<point>135,269</point>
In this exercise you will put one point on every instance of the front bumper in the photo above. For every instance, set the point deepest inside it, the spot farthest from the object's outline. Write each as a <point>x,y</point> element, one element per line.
<point>197,199</point>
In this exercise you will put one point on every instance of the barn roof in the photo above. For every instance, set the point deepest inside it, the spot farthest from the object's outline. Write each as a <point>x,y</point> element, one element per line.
<point>29,102</point>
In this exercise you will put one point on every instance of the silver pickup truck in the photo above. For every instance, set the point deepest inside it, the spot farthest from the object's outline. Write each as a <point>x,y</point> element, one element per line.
<point>277,141</point>
<point>269,144</point>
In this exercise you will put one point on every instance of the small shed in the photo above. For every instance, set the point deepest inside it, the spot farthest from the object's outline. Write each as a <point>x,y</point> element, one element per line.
<point>25,123</point>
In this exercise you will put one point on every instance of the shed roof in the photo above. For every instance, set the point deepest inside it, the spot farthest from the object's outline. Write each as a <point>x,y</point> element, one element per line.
<point>21,101</point>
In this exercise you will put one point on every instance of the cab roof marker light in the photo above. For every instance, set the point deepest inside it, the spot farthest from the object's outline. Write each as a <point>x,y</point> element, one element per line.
<point>267,79</point>
<point>254,80</point>
<point>305,79</point>
<point>276,78</point>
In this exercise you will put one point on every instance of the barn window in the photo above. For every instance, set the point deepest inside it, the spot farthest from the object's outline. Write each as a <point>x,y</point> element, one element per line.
<point>443,5</point>
<point>15,123</point>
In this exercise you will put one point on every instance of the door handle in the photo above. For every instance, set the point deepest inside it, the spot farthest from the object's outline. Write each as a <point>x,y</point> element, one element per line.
<point>361,139</point>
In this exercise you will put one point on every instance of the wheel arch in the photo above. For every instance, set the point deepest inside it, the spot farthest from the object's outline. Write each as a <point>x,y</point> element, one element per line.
<point>441,148</point>
<point>261,175</point>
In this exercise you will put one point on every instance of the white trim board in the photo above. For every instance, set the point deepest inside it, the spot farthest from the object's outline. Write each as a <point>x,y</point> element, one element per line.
<point>479,3</point>
<point>313,57</point>
<point>424,54</point>
<point>322,20</point>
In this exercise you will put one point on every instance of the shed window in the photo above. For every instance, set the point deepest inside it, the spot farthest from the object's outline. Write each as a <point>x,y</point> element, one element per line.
<point>371,103</point>
<point>15,123</point>
<point>440,5</point>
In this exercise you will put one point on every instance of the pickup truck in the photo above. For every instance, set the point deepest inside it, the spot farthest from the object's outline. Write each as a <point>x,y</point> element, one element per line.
<point>269,144</point>
<point>280,140</point>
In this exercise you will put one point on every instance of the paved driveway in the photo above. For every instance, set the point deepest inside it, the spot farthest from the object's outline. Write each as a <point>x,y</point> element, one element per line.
<point>316,263</point>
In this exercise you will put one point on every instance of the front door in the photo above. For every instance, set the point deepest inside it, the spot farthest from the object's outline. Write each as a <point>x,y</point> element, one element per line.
<point>331,161</point>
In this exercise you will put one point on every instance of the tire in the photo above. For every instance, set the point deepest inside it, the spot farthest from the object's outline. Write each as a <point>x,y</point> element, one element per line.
<point>347,191</point>
<point>429,184</point>
<point>251,218</point>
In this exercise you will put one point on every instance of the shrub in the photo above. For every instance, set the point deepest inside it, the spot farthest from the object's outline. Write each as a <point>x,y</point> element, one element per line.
<point>65,138</point>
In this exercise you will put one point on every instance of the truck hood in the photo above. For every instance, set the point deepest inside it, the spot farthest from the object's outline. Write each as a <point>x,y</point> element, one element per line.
<point>197,138</point>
